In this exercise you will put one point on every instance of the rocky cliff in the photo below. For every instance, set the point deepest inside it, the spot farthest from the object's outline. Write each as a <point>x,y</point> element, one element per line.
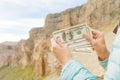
<point>99,14</point>
<point>36,49</point>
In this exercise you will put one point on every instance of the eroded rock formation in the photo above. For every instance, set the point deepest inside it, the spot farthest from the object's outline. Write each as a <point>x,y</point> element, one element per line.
<point>36,49</point>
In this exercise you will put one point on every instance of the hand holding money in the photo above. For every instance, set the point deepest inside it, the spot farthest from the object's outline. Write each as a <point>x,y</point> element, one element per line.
<point>60,51</point>
<point>73,37</point>
<point>98,44</point>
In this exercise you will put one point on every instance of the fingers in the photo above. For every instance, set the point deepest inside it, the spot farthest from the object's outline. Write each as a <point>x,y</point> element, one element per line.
<point>58,41</point>
<point>89,38</point>
<point>96,32</point>
<point>57,45</point>
<point>54,44</point>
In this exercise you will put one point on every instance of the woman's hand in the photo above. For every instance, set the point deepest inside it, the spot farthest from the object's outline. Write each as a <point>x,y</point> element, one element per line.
<point>98,43</point>
<point>60,51</point>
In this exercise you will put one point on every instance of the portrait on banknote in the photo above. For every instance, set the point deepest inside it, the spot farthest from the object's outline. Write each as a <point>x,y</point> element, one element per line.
<point>67,36</point>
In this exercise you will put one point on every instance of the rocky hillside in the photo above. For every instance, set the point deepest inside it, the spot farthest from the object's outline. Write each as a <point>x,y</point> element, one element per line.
<point>6,51</point>
<point>99,14</point>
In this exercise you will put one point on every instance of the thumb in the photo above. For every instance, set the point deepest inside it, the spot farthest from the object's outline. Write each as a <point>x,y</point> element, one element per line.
<point>58,41</point>
<point>89,38</point>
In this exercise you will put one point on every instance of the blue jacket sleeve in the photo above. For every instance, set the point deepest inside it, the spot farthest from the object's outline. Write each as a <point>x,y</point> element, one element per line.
<point>104,64</point>
<point>73,70</point>
<point>113,63</point>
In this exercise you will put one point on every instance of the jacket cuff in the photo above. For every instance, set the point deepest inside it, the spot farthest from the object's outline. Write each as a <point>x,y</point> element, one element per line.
<point>104,63</point>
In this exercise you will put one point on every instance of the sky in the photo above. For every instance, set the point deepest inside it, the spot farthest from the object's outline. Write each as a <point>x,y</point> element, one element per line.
<point>17,17</point>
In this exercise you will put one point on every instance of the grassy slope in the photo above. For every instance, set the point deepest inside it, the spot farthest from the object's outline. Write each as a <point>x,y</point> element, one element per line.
<point>9,73</point>
<point>18,73</point>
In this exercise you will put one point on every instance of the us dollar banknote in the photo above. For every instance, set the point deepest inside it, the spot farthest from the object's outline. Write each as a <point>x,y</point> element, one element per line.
<point>73,37</point>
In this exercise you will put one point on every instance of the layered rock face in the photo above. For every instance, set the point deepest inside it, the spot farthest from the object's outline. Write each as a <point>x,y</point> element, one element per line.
<point>36,50</point>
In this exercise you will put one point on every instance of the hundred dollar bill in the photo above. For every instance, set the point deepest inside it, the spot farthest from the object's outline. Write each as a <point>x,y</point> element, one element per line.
<point>73,37</point>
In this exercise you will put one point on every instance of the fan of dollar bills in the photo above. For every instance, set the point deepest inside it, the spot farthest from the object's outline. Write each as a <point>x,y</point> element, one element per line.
<point>73,37</point>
